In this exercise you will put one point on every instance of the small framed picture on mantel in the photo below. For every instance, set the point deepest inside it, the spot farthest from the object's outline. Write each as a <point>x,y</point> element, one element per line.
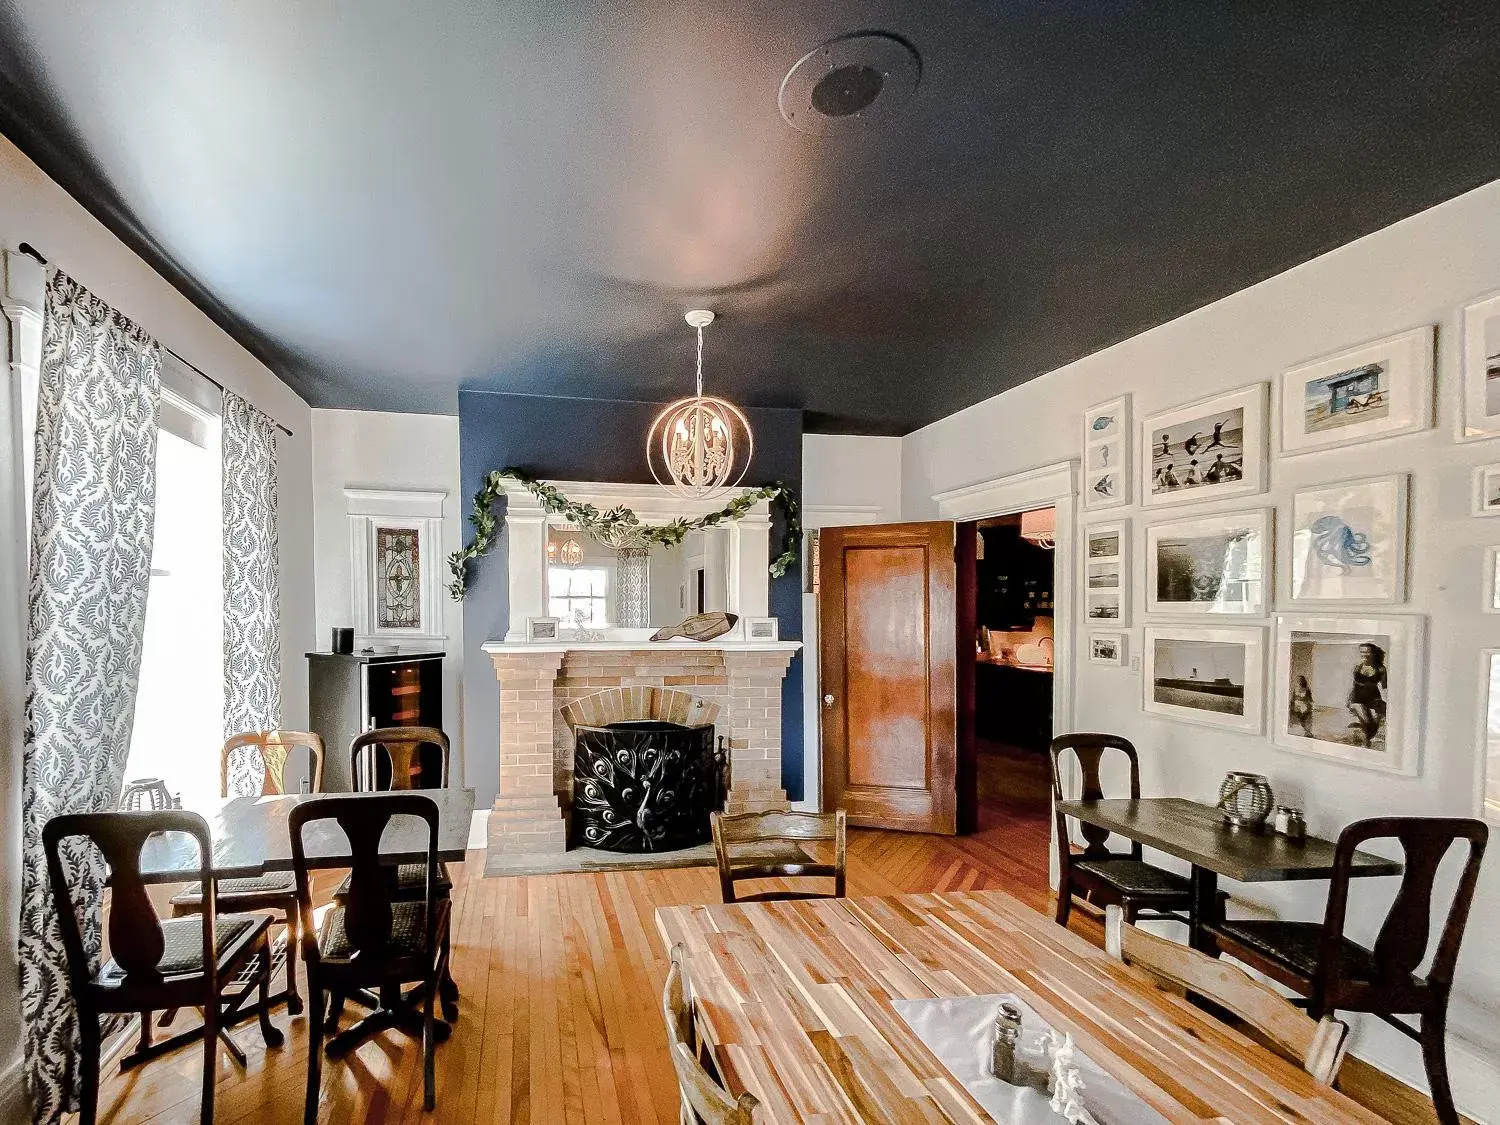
<point>762,629</point>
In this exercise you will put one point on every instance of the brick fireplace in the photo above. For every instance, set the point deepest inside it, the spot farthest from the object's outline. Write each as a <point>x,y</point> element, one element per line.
<point>546,688</point>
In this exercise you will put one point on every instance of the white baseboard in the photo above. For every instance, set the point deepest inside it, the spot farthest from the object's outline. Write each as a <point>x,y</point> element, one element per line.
<point>479,829</point>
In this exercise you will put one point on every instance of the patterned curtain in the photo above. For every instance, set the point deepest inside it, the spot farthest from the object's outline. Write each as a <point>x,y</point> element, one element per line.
<point>252,588</point>
<point>92,521</point>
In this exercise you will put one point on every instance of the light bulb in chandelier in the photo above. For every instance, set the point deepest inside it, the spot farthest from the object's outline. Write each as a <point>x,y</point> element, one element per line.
<point>700,446</point>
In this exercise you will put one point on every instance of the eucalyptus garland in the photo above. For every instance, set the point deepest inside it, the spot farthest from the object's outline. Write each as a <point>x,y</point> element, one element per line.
<point>618,526</point>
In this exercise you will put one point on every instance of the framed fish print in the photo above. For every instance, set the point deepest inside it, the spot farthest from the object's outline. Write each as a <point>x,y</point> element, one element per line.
<point>1349,689</point>
<point>1212,564</point>
<point>1207,450</point>
<point>1479,416</point>
<point>1376,390</point>
<point>1106,577</point>
<point>1106,454</point>
<point>1348,541</point>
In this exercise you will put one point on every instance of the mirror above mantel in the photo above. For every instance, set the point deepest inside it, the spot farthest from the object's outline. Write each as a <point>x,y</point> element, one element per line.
<point>555,567</point>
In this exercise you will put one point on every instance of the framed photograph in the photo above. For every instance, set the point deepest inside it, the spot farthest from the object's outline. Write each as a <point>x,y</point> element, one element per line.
<point>1479,416</point>
<point>1206,450</point>
<point>543,628</point>
<point>1106,579</point>
<point>1349,689</point>
<point>1487,784</point>
<point>1348,541</point>
<point>1209,675</point>
<point>1210,564</point>
<point>761,629</point>
<point>1492,580</point>
<point>1107,648</point>
<point>1106,454</point>
<point>1376,390</point>
<point>1487,490</point>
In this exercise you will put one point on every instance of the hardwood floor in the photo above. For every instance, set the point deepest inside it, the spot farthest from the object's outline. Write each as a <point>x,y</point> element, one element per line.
<point>561,978</point>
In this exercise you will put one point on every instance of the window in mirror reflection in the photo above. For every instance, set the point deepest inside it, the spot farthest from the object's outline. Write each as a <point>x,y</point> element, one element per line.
<point>578,587</point>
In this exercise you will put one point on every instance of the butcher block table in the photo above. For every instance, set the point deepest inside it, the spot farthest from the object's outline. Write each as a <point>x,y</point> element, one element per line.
<point>795,1001</point>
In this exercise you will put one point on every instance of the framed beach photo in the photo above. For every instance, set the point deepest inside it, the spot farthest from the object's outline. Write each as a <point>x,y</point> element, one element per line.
<point>1376,390</point>
<point>1206,450</point>
<point>1479,413</point>
<point>1491,580</point>
<point>1107,648</point>
<point>1487,783</point>
<point>1349,689</point>
<point>1209,675</point>
<point>1348,541</point>
<point>1106,454</point>
<point>1106,577</point>
<point>1211,564</point>
<point>1487,490</point>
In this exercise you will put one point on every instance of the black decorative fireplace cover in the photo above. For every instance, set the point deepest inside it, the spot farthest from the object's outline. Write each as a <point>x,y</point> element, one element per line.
<point>644,786</point>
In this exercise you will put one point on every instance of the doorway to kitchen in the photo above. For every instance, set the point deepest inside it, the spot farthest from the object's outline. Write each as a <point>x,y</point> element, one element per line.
<point>1014,570</point>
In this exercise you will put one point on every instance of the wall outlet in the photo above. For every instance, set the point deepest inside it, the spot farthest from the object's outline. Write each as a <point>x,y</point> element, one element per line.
<point>1135,663</point>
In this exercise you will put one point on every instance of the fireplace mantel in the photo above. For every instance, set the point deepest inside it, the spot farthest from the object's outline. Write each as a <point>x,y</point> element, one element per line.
<point>565,645</point>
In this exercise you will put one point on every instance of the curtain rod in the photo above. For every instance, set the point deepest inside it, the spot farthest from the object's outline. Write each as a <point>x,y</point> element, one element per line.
<point>31,252</point>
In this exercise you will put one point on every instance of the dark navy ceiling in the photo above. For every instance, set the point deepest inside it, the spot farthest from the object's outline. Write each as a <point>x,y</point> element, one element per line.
<point>389,200</point>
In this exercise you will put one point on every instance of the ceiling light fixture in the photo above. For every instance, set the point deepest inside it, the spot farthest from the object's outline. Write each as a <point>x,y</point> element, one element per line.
<point>699,447</point>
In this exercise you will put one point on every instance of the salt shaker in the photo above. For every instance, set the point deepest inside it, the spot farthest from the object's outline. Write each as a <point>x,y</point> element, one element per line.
<point>1003,1049</point>
<point>1289,822</point>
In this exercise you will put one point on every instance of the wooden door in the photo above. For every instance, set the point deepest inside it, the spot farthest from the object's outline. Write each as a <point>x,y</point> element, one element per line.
<point>886,619</point>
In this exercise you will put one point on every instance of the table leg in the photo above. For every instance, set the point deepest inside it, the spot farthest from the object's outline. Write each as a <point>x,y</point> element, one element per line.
<point>1204,911</point>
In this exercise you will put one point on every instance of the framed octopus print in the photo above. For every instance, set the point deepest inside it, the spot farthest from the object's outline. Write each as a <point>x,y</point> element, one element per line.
<point>1348,542</point>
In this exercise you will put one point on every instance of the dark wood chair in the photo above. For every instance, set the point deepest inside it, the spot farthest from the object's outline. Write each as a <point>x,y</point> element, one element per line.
<point>1336,974</point>
<point>253,764</point>
<point>749,830</point>
<point>155,964</point>
<point>1097,875</point>
<point>370,942</point>
<point>703,1099</point>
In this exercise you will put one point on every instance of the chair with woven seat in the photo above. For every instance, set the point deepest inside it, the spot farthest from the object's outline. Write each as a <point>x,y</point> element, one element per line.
<point>1097,875</point>
<point>703,1099</point>
<point>253,764</point>
<point>1336,974</point>
<point>752,830</point>
<point>1317,1046</point>
<point>369,942</point>
<point>155,964</point>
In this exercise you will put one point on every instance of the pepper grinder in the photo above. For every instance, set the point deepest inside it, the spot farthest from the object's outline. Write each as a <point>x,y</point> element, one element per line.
<point>1003,1049</point>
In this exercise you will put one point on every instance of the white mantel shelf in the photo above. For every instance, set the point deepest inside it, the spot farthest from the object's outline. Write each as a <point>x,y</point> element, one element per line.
<point>566,645</point>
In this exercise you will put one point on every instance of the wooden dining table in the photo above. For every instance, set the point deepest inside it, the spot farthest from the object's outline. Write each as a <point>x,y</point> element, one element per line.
<point>796,1003</point>
<point>1199,835</point>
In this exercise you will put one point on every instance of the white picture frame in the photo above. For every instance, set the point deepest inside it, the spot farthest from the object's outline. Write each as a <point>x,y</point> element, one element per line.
<point>1479,384</point>
<point>1108,649</point>
<point>1374,390</point>
<point>1106,454</point>
<point>1487,761</point>
<point>1211,675</point>
<point>1491,580</point>
<point>1321,660</point>
<point>1105,579</point>
<point>1347,542</point>
<point>1223,437</point>
<point>1227,555</point>
<point>1487,490</point>
<point>762,629</point>
<point>376,512</point>
<point>543,630</point>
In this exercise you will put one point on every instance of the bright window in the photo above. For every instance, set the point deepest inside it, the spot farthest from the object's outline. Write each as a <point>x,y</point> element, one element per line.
<point>578,587</point>
<point>179,711</point>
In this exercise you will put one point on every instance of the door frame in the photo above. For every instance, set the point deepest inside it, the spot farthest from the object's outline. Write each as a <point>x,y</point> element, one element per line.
<point>1046,486</point>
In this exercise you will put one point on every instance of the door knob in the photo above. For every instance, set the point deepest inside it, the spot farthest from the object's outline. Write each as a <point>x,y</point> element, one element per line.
<point>828,701</point>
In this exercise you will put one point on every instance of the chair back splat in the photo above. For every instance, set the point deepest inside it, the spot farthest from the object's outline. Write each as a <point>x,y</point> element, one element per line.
<point>739,830</point>
<point>402,748</point>
<point>253,764</point>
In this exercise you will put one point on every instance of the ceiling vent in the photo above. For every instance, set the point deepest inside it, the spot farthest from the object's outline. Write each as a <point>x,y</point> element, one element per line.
<point>849,82</point>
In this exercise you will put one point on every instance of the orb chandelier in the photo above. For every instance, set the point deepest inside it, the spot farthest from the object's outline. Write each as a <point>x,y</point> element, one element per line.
<point>699,447</point>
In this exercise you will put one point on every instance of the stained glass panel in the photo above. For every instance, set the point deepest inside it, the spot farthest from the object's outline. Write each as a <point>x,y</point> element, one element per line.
<point>397,578</point>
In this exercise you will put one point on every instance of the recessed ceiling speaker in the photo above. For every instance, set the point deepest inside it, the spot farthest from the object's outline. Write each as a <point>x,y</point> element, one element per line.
<point>849,81</point>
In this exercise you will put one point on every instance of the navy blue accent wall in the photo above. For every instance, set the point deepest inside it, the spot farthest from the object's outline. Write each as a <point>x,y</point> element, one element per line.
<point>594,440</point>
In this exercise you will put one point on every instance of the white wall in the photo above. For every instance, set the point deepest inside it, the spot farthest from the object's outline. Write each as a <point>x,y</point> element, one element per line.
<point>368,449</point>
<point>33,209</point>
<point>845,481</point>
<point>1418,271</point>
